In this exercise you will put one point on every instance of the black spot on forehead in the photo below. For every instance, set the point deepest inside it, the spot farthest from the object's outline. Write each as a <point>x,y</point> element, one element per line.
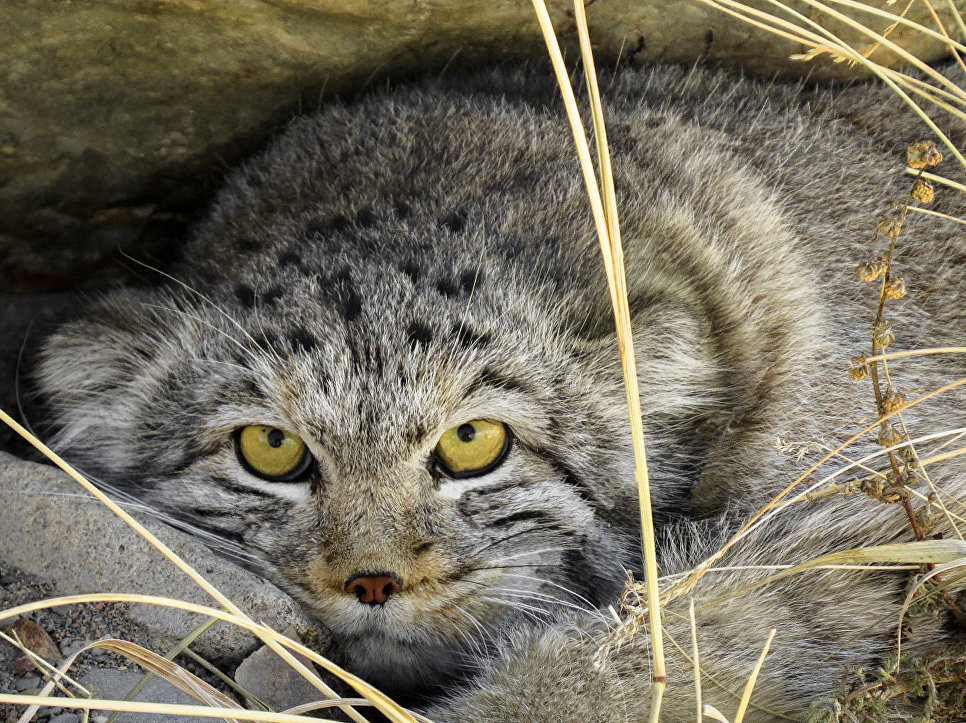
<point>447,288</point>
<point>246,295</point>
<point>470,279</point>
<point>468,336</point>
<point>266,342</point>
<point>455,221</point>
<point>411,269</point>
<point>365,217</point>
<point>272,295</point>
<point>419,334</point>
<point>489,377</point>
<point>289,258</point>
<point>325,227</point>
<point>302,339</point>
<point>348,301</point>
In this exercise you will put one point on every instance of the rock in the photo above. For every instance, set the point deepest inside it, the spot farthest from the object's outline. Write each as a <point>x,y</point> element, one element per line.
<point>271,680</point>
<point>116,118</point>
<point>34,638</point>
<point>65,718</point>
<point>29,683</point>
<point>116,684</point>
<point>79,544</point>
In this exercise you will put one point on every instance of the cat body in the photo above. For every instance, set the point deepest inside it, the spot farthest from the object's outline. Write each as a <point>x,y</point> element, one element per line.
<point>398,266</point>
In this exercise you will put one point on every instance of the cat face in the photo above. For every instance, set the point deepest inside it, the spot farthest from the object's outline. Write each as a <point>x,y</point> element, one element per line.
<point>440,461</point>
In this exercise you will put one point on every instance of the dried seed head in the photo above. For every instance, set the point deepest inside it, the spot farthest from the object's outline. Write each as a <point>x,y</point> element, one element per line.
<point>923,191</point>
<point>871,269</point>
<point>882,333</point>
<point>893,400</point>
<point>907,454</point>
<point>889,226</point>
<point>926,518</point>
<point>923,154</point>
<point>858,367</point>
<point>895,287</point>
<point>889,436</point>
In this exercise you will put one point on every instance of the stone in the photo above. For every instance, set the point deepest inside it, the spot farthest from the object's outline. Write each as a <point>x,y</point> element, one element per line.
<point>65,718</point>
<point>34,638</point>
<point>83,547</point>
<point>116,119</point>
<point>116,684</point>
<point>272,681</point>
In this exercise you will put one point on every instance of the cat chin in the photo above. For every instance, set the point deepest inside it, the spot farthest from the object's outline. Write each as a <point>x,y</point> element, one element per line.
<point>403,670</point>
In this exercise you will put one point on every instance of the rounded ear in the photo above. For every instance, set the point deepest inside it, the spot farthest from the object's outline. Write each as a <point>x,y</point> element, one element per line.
<point>88,374</point>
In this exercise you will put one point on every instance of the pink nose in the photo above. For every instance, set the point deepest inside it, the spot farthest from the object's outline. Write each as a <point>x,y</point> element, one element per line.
<point>373,589</point>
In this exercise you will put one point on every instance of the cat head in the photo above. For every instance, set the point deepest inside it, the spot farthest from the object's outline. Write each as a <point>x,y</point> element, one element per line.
<point>412,465</point>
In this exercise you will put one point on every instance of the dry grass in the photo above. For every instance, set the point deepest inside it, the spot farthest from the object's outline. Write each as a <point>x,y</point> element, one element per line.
<point>938,680</point>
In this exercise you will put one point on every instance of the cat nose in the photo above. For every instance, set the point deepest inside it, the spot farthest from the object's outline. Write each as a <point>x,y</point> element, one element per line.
<point>374,589</point>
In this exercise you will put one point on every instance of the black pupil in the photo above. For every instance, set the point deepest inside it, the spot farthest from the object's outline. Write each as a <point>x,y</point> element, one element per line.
<point>466,432</point>
<point>276,437</point>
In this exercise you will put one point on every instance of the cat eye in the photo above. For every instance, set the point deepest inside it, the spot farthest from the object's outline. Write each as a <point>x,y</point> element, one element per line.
<point>472,448</point>
<point>271,453</point>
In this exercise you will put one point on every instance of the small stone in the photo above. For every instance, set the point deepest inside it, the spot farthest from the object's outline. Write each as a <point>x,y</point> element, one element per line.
<point>24,666</point>
<point>34,638</point>
<point>273,681</point>
<point>27,683</point>
<point>65,718</point>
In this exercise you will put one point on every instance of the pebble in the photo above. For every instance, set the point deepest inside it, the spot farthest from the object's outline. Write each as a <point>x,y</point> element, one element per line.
<point>22,684</point>
<point>65,718</point>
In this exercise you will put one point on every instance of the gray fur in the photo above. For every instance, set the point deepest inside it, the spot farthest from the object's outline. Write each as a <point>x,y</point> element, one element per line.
<point>396,265</point>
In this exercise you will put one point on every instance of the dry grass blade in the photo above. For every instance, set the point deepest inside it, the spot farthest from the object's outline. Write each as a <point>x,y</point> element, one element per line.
<point>918,552</point>
<point>383,703</point>
<point>131,706</point>
<point>608,231</point>
<point>752,679</point>
<point>183,680</point>
<point>170,655</point>
<point>696,660</point>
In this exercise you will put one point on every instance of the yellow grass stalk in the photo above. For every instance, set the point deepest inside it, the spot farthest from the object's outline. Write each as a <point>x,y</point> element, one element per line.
<point>918,352</point>
<point>133,706</point>
<point>392,710</point>
<point>937,179</point>
<point>696,660</point>
<point>608,232</point>
<point>752,679</point>
<point>930,212</point>
<point>902,20</point>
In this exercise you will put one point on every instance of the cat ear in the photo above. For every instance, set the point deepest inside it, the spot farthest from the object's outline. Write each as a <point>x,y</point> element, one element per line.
<point>89,372</point>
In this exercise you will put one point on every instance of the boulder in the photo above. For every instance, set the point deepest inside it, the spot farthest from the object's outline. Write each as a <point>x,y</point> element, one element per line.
<point>117,119</point>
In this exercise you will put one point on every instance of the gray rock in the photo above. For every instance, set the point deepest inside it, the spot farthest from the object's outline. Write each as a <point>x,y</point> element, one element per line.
<point>271,680</point>
<point>28,683</point>
<point>65,718</point>
<point>116,684</point>
<point>53,529</point>
<point>114,116</point>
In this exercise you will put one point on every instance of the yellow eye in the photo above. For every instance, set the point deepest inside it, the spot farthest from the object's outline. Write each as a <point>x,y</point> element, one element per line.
<point>473,448</point>
<point>272,453</point>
